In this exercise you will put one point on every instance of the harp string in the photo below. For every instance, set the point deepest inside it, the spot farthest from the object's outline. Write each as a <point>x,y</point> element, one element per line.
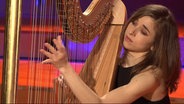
<point>40,22</point>
<point>65,94</point>
<point>59,85</point>
<point>38,72</point>
<point>50,23</point>
<point>41,33</point>
<point>33,65</point>
<point>46,26</point>
<point>32,52</point>
<point>63,88</point>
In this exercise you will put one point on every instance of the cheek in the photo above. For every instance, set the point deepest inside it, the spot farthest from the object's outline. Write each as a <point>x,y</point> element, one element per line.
<point>143,45</point>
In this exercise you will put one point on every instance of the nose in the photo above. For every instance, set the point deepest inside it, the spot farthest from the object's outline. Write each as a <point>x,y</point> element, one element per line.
<point>132,33</point>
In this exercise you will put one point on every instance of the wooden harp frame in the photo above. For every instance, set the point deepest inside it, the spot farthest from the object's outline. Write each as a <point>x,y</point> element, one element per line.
<point>107,48</point>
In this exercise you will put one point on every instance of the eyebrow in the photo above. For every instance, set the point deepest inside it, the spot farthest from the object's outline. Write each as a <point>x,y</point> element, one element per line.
<point>146,28</point>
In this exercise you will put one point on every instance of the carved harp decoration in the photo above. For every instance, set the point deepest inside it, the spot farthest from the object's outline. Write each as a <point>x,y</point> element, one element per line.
<point>104,17</point>
<point>83,27</point>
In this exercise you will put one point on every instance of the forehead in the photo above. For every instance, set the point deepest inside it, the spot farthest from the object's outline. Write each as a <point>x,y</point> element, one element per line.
<point>147,21</point>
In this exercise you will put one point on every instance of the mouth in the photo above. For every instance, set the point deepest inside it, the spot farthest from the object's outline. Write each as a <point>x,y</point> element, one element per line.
<point>126,38</point>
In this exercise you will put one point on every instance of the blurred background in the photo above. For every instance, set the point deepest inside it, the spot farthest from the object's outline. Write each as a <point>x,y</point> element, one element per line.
<point>78,51</point>
<point>175,6</point>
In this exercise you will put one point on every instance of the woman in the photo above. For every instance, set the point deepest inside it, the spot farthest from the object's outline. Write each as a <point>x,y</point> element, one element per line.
<point>149,68</point>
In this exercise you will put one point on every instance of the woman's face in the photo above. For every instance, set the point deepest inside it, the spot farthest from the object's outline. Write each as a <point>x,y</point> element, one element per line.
<point>139,35</point>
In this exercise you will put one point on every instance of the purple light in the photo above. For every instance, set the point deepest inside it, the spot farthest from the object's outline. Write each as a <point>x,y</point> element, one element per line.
<point>182,51</point>
<point>80,51</point>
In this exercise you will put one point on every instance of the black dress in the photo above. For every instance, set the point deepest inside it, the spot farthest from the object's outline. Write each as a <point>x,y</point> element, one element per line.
<point>124,76</point>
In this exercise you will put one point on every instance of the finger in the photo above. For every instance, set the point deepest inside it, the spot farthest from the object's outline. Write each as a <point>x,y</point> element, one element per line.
<point>50,48</point>
<point>60,40</point>
<point>47,61</point>
<point>58,43</point>
<point>46,53</point>
<point>60,79</point>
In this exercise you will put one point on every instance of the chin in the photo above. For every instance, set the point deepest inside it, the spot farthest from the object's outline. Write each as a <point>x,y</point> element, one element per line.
<point>126,45</point>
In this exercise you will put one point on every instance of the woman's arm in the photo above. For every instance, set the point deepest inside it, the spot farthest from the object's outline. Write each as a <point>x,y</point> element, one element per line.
<point>79,88</point>
<point>140,85</point>
<point>58,57</point>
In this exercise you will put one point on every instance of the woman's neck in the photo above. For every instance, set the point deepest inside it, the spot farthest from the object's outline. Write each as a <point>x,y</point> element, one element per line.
<point>133,58</point>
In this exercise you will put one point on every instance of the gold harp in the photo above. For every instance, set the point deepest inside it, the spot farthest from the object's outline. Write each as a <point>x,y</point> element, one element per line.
<point>101,61</point>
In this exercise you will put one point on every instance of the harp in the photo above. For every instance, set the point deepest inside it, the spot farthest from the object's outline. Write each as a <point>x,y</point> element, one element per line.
<point>100,65</point>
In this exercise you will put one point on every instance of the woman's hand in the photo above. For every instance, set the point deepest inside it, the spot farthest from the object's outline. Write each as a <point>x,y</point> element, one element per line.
<point>57,57</point>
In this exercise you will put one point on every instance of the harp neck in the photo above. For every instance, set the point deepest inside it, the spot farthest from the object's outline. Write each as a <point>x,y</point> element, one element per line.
<point>84,27</point>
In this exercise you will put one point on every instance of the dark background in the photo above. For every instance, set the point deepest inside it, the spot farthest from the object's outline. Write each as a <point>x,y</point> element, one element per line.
<point>176,6</point>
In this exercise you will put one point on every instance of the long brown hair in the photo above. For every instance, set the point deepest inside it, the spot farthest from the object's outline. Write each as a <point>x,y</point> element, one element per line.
<point>166,50</point>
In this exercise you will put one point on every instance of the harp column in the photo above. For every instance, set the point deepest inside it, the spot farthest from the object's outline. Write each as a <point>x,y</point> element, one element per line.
<point>11,48</point>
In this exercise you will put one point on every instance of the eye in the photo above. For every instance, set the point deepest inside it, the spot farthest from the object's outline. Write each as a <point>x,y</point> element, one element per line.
<point>144,32</point>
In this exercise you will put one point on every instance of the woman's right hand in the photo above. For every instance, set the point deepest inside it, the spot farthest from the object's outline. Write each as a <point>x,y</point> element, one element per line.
<point>56,56</point>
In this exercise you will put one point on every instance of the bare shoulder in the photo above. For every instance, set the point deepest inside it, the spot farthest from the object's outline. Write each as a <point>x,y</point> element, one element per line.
<point>142,84</point>
<point>150,74</point>
<point>152,83</point>
<point>148,80</point>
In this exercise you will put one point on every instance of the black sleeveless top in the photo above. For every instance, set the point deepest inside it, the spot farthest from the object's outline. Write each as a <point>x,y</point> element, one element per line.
<point>124,76</point>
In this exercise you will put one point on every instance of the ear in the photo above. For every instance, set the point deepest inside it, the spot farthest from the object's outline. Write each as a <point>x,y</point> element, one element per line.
<point>151,48</point>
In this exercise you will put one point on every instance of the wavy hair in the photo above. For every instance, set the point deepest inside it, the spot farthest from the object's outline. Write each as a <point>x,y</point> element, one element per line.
<point>166,49</point>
